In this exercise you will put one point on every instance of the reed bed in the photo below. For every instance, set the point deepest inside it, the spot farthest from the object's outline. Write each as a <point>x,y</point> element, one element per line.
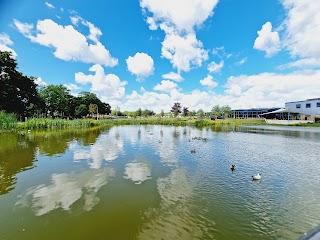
<point>8,121</point>
<point>42,123</point>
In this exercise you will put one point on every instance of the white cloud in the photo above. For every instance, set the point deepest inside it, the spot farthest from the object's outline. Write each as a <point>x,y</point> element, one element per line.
<point>165,86</point>
<point>173,76</point>
<point>71,86</point>
<point>271,89</point>
<point>75,20</point>
<point>49,5</point>
<point>69,44</point>
<point>208,81</point>
<point>95,32</point>
<point>242,61</point>
<point>220,52</point>
<point>184,51</point>
<point>215,67</point>
<point>141,64</point>
<point>267,40</point>
<point>40,82</point>
<point>152,24</point>
<point>302,63</point>
<point>180,46</point>
<point>194,13</point>
<point>108,85</point>
<point>302,34</point>
<point>245,91</point>
<point>4,42</point>
<point>24,28</point>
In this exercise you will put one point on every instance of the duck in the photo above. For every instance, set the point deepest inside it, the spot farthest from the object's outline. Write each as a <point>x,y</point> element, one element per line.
<point>233,167</point>
<point>193,151</point>
<point>256,177</point>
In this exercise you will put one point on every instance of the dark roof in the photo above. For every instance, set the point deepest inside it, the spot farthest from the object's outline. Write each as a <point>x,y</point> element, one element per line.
<point>310,99</point>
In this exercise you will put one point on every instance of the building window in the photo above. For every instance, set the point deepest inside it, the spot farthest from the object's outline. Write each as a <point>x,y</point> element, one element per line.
<point>318,104</point>
<point>308,105</point>
<point>298,106</point>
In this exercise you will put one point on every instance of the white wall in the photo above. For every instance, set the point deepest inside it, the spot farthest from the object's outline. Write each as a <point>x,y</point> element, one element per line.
<point>313,110</point>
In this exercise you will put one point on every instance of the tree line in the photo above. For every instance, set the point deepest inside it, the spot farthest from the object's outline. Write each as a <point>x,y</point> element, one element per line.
<point>19,94</point>
<point>216,111</point>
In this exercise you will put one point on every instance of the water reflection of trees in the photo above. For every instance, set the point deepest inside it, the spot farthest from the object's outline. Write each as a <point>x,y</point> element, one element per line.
<point>17,154</point>
<point>18,150</point>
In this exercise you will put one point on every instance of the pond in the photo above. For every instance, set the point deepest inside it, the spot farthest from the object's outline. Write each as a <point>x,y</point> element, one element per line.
<point>160,182</point>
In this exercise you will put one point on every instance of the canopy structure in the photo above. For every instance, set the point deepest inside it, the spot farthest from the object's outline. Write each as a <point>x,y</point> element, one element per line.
<point>281,114</point>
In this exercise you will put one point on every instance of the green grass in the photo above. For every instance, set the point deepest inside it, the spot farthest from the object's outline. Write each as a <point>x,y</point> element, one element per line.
<point>7,121</point>
<point>41,123</point>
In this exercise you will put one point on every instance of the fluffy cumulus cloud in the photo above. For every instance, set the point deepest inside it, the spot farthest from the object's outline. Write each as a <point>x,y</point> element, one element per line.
<point>208,81</point>
<point>267,89</point>
<point>40,82</point>
<point>5,41</point>
<point>267,40</point>
<point>69,44</point>
<point>108,85</point>
<point>141,64</point>
<point>71,86</point>
<point>302,28</point>
<point>271,89</point>
<point>180,46</point>
<point>215,67</point>
<point>165,86</point>
<point>173,76</point>
<point>194,13</point>
<point>183,51</point>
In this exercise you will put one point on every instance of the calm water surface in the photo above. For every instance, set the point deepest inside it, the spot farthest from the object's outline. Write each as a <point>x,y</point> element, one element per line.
<point>143,182</point>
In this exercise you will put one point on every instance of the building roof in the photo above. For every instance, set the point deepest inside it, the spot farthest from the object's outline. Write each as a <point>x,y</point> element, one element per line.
<point>282,110</point>
<point>311,99</point>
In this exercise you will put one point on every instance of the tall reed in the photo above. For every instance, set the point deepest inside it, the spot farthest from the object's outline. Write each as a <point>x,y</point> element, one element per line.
<point>7,121</point>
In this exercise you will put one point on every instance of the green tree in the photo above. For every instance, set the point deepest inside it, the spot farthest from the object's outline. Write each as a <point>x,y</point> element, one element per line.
<point>162,113</point>
<point>81,110</point>
<point>176,109</point>
<point>18,93</point>
<point>225,111</point>
<point>216,111</point>
<point>200,113</point>
<point>139,112</point>
<point>185,111</point>
<point>93,109</point>
<point>147,113</point>
<point>56,99</point>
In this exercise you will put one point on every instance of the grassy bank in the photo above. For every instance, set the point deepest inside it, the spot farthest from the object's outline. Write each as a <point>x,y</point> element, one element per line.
<point>9,122</point>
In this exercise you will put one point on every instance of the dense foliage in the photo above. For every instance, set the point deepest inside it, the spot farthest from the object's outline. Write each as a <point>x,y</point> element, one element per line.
<point>20,95</point>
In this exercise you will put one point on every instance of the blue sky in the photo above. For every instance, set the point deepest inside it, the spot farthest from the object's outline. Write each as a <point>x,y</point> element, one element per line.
<point>150,54</point>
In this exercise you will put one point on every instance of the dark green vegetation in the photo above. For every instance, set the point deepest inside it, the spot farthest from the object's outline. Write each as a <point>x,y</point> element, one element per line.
<point>20,95</point>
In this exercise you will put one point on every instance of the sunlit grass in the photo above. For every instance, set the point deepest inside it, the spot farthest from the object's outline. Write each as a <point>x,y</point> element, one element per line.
<point>7,121</point>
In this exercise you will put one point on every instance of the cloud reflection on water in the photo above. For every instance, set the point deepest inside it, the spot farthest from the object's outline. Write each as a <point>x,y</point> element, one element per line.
<point>138,172</point>
<point>106,148</point>
<point>65,190</point>
<point>174,218</point>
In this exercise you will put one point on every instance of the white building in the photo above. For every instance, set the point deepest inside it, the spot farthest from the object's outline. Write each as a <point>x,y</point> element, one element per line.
<point>309,107</point>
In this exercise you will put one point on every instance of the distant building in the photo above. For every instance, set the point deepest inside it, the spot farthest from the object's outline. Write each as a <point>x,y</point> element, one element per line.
<point>250,113</point>
<point>308,109</point>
